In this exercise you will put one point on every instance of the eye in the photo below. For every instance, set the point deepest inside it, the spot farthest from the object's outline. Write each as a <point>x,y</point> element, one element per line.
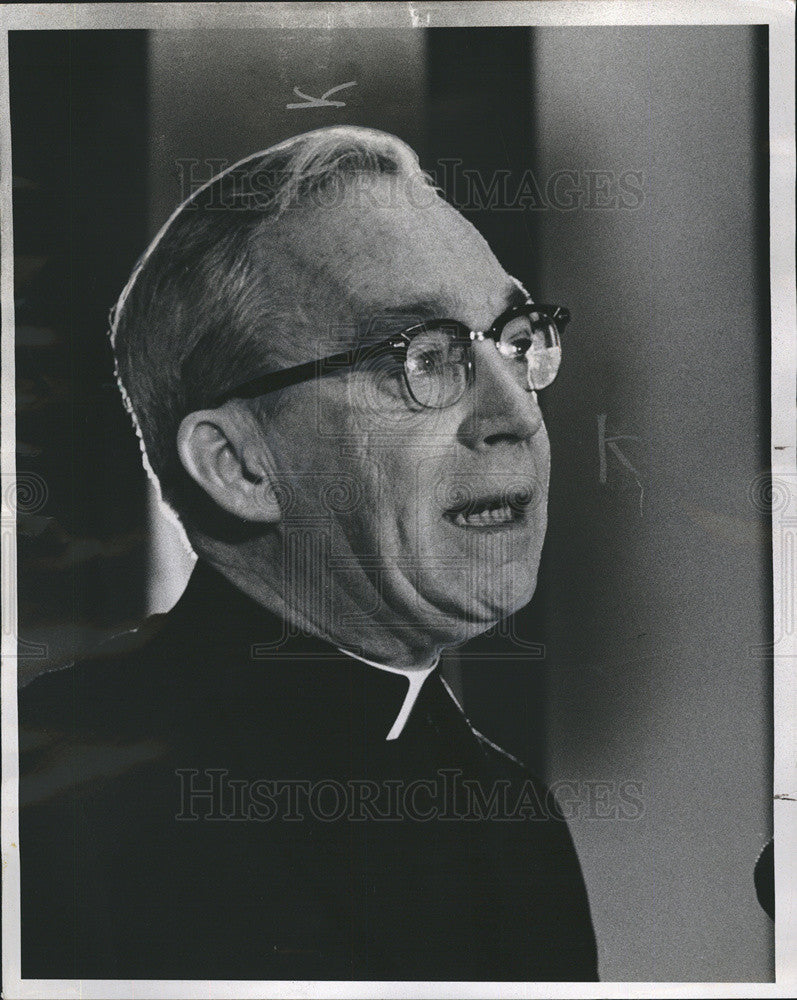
<point>428,353</point>
<point>516,338</point>
<point>436,368</point>
<point>426,361</point>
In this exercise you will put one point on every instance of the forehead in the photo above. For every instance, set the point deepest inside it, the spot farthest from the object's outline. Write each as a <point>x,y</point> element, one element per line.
<point>376,248</point>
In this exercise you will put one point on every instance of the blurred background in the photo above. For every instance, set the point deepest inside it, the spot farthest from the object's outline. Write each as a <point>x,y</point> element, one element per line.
<point>620,171</point>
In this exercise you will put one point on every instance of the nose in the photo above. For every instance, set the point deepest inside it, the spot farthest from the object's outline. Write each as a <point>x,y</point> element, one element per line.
<point>498,407</point>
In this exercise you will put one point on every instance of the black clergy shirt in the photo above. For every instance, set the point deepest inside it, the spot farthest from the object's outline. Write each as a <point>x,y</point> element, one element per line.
<point>214,797</point>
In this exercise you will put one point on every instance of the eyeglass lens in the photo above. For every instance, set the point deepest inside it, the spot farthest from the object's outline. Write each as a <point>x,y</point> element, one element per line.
<point>535,338</point>
<point>438,360</point>
<point>437,367</point>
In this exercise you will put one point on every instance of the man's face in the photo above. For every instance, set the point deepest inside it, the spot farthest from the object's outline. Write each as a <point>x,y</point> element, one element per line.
<point>375,485</point>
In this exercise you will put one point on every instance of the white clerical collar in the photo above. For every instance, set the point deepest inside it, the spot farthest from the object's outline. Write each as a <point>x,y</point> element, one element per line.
<point>415,678</point>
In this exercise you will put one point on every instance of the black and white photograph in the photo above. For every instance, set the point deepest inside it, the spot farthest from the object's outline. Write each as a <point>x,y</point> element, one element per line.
<point>399,499</point>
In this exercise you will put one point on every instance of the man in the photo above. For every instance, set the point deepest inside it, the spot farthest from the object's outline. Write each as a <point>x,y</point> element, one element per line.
<point>334,382</point>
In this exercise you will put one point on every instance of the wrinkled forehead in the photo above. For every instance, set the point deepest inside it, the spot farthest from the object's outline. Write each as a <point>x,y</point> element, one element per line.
<point>375,251</point>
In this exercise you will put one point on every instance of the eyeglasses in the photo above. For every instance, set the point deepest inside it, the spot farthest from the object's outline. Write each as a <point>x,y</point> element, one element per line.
<point>437,356</point>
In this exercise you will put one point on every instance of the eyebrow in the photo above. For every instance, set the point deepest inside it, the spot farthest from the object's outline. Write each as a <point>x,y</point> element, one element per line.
<point>431,309</point>
<point>422,309</point>
<point>516,296</point>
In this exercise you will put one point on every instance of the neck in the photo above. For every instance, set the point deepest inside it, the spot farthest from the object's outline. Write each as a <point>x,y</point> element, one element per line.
<point>397,647</point>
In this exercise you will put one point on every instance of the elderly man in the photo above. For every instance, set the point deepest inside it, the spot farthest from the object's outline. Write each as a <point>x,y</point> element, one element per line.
<point>334,382</point>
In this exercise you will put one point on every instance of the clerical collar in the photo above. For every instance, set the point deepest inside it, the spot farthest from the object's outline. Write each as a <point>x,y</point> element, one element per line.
<point>415,678</point>
<point>242,623</point>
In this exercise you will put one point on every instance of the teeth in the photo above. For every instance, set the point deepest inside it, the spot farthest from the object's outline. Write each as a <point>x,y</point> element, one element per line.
<point>496,515</point>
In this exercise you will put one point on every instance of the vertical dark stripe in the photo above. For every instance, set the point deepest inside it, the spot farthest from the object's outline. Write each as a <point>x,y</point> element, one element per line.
<point>79,147</point>
<point>479,147</point>
<point>479,113</point>
<point>760,43</point>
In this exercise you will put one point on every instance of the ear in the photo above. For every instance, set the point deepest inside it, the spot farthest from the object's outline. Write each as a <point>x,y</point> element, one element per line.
<point>224,452</point>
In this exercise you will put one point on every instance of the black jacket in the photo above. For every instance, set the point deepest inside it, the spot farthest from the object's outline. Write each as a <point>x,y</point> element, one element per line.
<point>324,852</point>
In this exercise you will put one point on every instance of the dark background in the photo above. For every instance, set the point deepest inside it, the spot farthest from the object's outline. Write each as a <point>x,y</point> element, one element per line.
<point>79,121</point>
<point>655,592</point>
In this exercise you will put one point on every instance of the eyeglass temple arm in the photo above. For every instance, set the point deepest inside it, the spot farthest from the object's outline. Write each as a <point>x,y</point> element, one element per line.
<point>272,381</point>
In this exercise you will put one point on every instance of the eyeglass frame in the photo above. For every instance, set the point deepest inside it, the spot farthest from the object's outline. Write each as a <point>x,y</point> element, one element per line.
<point>397,344</point>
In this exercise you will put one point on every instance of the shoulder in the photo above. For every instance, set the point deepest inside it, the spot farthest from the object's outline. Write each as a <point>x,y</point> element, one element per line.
<point>84,694</point>
<point>93,720</point>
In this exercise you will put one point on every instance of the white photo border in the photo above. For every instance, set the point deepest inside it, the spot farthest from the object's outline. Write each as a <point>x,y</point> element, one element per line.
<point>779,16</point>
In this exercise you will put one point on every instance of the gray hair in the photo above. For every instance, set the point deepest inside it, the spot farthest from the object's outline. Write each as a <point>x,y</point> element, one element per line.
<point>191,319</point>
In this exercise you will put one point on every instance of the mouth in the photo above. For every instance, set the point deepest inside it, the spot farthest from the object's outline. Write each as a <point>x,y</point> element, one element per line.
<point>490,513</point>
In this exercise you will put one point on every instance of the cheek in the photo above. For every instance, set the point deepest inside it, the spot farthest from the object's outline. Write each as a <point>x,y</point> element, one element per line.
<point>397,504</point>
<point>371,482</point>
<point>403,470</point>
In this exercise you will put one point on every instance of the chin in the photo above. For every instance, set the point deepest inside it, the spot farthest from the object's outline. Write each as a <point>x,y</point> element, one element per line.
<point>508,604</point>
<point>489,607</point>
<point>518,591</point>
